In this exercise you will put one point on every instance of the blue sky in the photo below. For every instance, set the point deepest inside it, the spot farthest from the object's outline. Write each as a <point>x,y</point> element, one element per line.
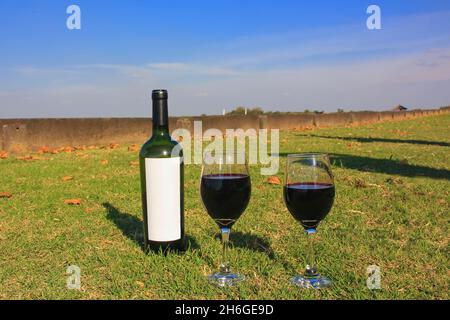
<point>211,55</point>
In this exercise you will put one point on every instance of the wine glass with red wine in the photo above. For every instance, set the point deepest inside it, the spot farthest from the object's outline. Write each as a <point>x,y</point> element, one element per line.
<point>309,195</point>
<point>225,189</point>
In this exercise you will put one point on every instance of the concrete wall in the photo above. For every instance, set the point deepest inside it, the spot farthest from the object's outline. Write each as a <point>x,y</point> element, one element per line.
<point>386,116</point>
<point>365,117</point>
<point>410,114</point>
<point>333,119</point>
<point>31,134</point>
<point>22,135</point>
<point>400,115</point>
<point>295,121</point>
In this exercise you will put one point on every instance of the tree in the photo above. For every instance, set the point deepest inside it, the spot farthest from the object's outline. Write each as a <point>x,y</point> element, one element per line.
<point>237,111</point>
<point>250,111</point>
<point>255,111</point>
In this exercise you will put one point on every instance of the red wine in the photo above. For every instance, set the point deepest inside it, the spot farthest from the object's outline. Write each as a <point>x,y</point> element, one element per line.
<point>162,186</point>
<point>309,202</point>
<point>225,196</point>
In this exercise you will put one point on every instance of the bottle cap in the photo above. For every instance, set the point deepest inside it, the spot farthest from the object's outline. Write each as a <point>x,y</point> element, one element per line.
<point>159,94</point>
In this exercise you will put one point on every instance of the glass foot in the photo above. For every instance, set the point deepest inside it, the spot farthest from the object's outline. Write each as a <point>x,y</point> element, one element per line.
<point>316,282</point>
<point>225,279</point>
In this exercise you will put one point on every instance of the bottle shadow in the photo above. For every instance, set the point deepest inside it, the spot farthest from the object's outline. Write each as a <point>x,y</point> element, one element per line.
<point>132,228</point>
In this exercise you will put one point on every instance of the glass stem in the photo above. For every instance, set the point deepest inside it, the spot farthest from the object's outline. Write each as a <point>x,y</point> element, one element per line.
<point>310,270</point>
<point>225,235</point>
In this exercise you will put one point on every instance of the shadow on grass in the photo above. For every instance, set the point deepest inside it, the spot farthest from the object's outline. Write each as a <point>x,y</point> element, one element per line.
<point>132,228</point>
<point>250,241</point>
<point>364,140</point>
<point>387,166</point>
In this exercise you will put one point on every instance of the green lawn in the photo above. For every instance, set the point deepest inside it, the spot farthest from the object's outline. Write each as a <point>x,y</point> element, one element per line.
<point>391,209</point>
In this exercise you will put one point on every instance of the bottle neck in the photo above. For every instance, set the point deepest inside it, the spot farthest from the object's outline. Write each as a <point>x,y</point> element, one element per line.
<point>160,117</point>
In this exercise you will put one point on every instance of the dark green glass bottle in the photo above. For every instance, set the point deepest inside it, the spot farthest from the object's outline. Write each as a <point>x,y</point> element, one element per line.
<point>162,183</point>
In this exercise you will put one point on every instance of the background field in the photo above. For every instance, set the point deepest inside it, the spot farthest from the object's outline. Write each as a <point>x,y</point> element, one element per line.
<point>391,209</point>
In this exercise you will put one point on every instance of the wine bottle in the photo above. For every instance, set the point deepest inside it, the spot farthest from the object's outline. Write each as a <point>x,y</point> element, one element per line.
<point>162,183</point>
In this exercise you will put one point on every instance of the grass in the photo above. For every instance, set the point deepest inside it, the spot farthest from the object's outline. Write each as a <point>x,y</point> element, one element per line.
<point>391,210</point>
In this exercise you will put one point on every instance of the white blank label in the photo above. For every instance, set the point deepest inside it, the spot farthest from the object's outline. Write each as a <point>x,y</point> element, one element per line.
<point>163,198</point>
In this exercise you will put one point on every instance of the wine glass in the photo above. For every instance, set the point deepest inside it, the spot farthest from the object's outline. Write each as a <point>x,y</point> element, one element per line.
<point>309,195</point>
<point>225,189</point>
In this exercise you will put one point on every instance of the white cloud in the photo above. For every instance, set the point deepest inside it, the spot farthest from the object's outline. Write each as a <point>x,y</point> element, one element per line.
<point>194,69</point>
<point>368,84</point>
<point>290,71</point>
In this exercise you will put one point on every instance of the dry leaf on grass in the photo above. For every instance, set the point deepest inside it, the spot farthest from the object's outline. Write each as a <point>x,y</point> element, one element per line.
<point>357,211</point>
<point>67,178</point>
<point>72,201</point>
<point>134,163</point>
<point>394,181</point>
<point>360,183</point>
<point>81,155</point>
<point>104,162</point>
<point>3,154</point>
<point>44,150</point>
<point>133,148</point>
<point>273,180</point>
<point>27,158</point>
<point>62,149</point>
<point>113,145</point>
<point>5,195</point>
